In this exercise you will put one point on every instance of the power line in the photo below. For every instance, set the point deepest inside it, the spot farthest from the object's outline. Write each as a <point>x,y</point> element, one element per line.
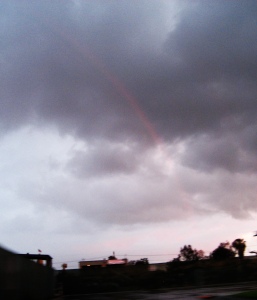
<point>147,254</point>
<point>60,262</point>
<point>128,255</point>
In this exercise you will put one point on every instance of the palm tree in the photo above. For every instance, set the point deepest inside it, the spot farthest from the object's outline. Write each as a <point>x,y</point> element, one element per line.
<point>239,245</point>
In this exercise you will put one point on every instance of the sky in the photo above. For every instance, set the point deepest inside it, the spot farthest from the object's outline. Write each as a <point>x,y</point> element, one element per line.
<point>127,126</point>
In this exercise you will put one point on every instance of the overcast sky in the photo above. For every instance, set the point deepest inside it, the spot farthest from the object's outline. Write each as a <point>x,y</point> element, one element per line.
<point>127,126</point>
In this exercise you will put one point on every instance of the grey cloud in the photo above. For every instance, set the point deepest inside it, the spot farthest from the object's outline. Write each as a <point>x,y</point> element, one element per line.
<point>220,191</point>
<point>58,62</point>
<point>122,201</point>
<point>111,73</point>
<point>69,67</point>
<point>229,152</point>
<point>234,195</point>
<point>140,199</point>
<point>216,38</point>
<point>103,159</point>
<point>213,52</point>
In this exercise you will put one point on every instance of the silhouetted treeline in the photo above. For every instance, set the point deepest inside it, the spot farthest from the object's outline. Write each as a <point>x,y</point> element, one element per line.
<point>210,271</point>
<point>179,274</point>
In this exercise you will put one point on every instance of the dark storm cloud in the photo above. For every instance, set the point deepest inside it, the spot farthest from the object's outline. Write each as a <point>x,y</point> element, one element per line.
<point>212,61</point>
<point>104,160</point>
<point>234,152</point>
<point>74,65</point>
<point>55,61</point>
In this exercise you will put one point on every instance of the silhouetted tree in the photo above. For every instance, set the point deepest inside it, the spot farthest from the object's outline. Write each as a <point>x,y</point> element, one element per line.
<point>187,253</point>
<point>112,257</point>
<point>239,245</point>
<point>132,262</point>
<point>142,262</point>
<point>223,251</point>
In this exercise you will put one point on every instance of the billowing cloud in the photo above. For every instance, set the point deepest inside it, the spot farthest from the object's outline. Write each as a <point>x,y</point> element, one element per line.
<point>126,113</point>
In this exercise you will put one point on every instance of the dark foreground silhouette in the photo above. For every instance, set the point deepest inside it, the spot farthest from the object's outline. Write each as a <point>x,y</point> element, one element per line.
<point>178,274</point>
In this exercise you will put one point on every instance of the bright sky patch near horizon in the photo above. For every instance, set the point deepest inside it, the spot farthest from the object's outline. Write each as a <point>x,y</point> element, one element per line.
<point>127,126</point>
